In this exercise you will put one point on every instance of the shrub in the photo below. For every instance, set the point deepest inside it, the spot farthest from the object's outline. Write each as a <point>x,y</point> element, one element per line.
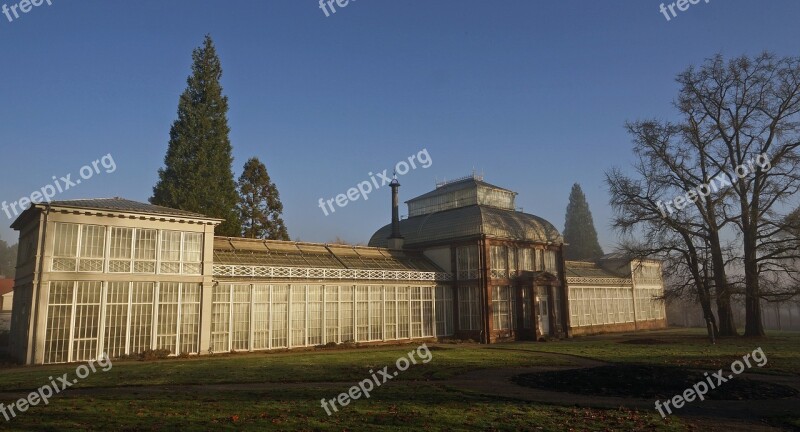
<point>157,354</point>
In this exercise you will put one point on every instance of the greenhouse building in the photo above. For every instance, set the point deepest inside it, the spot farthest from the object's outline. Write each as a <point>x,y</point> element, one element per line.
<point>121,277</point>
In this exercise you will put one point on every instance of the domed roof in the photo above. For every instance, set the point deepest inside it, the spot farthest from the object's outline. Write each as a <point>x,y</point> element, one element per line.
<point>469,221</point>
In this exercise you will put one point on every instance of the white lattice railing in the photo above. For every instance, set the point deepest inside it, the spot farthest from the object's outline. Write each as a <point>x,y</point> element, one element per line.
<point>577,280</point>
<point>222,270</point>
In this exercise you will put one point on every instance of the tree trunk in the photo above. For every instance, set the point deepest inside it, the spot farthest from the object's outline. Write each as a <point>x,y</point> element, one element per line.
<point>708,314</point>
<point>754,326</point>
<point>727,327</point>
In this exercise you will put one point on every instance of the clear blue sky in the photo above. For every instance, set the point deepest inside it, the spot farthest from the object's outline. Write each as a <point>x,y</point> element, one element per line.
<point>534,94</point>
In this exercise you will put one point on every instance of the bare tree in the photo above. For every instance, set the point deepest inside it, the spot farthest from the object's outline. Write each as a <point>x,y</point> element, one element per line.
<point>750,109</point>
<point>671,166</point>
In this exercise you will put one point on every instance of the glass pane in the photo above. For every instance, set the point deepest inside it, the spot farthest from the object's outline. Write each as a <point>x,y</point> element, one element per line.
<point>93,241</point>
<point>193,243</point>
<point>170,246</point>
<point>66,240</point>
<point>121,242</point>
<point>146,244</point>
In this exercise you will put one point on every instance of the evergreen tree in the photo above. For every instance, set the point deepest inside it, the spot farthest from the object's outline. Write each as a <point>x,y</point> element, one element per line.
<point>260,205</point>
<point>579,232</point>
<point>197,174</point>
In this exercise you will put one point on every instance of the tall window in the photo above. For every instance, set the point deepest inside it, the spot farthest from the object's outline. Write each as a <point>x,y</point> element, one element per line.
<point>280,312</point>
<point>362,313</point>
<point>428,318</point>
<point>240,317</point>
<point>170,252</point>
<point>550,262</point>
<point>220,318</point>
<point>192,253</point>
<point>390,299</point>
<point>376,312</point>
<point>512,261</point>
<point>142,296</point>
<point>331,313</point>
<point>145,251</point>
<point>189,328</point>
<point>261,316</point>
<point>526,259</point>
<point>59,322</point>
<point>416,312</point>
<point>315,312</point>
<point>121,257</point>
<point>403,323</point>
<point>297,307</point>
<point>167,330</point>
<point>539,260</point>
<point>444,310</point>
<point>469,303</point>
<point>65,247</point>
<point>346,296</point>
<point>93,247</point>
<point>467,266</point>
<point>117,299</point>
<point>499,262</point>
<point>503,304</point>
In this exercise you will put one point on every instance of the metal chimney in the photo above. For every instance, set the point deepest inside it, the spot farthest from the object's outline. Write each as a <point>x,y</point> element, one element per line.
<point>395,240</point>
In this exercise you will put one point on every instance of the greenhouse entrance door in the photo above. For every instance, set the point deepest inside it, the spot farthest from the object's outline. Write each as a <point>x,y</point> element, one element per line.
<point>543,310</point>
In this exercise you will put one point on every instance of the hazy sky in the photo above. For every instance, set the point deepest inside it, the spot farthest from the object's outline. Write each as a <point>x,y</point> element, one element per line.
<point>533,94</point>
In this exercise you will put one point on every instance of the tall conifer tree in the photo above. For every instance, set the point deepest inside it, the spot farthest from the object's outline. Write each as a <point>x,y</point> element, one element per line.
<point>260,205</point>
<point>197,174</point>
<point>579,231</point>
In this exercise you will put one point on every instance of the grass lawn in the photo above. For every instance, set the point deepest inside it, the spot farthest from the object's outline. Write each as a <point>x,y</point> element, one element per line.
<point>288,367</point>
<point>685,347</point>
<point>397,407</point>
<point>419,398</point>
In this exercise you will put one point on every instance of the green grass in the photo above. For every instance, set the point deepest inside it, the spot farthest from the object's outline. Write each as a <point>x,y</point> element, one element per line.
<point>396,406</point>
<point>687,348</point>
<point>417,399</point>
<point>314,366</point>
